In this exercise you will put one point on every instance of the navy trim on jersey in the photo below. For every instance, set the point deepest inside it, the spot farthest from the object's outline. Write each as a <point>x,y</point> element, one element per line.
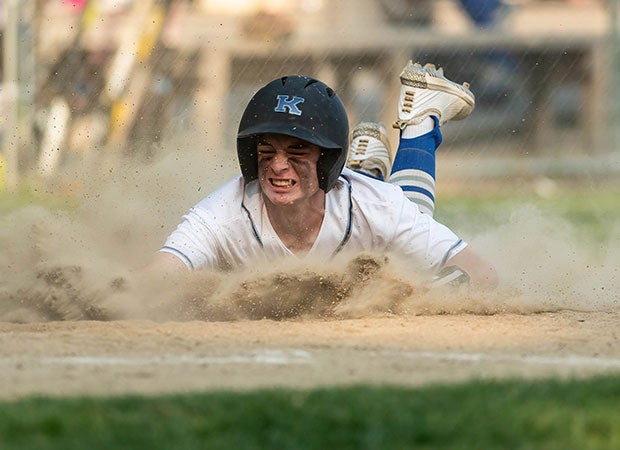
<point>180,255</point>
<point>254,230</point>
<point>445,258</point>
<point>347,233</point>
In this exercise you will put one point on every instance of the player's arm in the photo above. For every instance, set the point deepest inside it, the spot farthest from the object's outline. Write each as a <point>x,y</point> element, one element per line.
<point>481,273</point>
<point>164,264</point>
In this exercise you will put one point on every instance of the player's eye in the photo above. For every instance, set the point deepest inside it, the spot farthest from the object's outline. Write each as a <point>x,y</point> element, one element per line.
<point>265,149</point>
<point>299,147</point>
<point>265,156</point>
<point>297,153</point>
<point>299,150</point>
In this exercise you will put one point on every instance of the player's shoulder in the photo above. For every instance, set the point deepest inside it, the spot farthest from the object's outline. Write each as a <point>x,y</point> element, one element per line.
<point>224,203</point>
<point>370,189</point>
<point>230,190</point>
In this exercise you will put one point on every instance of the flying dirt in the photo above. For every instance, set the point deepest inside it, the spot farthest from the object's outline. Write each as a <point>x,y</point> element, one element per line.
<point>81,259</point>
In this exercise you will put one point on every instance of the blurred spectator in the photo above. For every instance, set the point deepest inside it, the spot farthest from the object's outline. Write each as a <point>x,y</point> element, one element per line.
<point>496,71</point>
<point>485,13</point>
<point>498,65</point>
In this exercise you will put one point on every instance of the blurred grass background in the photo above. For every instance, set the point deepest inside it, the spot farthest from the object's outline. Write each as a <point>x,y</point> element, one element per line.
<point>593,213</point>
<point>543,415</point>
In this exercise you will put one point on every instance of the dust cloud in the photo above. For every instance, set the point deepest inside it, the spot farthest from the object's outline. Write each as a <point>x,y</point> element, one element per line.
<point>80,260</point>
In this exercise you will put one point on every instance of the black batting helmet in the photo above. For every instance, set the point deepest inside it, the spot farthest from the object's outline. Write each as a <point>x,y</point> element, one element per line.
<point>301,107</point>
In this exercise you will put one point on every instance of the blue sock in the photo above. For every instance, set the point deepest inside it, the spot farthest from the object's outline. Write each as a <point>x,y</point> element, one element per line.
<point>414,168</point>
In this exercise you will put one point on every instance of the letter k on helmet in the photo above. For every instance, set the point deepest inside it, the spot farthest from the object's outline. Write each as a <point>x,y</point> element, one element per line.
<point>287,104</point>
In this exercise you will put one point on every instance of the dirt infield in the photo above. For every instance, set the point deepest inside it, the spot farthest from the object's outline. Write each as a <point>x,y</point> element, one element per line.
<point>73,321</point>
<point>148,357</point>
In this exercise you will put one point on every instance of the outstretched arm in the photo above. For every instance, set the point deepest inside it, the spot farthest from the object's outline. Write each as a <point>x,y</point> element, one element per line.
<point>164,264</point>
<point>481,272</point>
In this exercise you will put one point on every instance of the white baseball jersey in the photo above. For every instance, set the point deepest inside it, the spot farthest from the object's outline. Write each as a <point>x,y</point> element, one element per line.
<point>230,228</point>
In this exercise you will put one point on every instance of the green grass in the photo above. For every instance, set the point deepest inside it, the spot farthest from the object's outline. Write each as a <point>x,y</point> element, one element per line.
<point>10,201</point>
<point>593,214</point>
<point>560,415</point>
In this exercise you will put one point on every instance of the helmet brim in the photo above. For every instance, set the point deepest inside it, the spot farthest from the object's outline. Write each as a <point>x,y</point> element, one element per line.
<point>289,130</point>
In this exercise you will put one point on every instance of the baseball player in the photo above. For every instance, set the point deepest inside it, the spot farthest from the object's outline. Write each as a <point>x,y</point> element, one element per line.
<point>295,199</point>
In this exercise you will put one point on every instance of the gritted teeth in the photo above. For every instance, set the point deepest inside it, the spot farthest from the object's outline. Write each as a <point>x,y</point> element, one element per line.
<point>281,183</point>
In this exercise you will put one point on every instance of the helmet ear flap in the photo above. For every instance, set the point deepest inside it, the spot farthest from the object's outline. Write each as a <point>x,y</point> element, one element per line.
<point>329,167</point>
<point>248,157</point>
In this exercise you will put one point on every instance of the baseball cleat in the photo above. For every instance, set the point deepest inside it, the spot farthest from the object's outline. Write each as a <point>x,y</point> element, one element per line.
<point>425,91</point>
<point>369,151</point>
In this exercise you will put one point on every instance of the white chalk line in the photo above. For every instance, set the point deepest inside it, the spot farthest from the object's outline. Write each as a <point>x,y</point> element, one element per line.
<point>298,356</point>
<point>266,357</point>
<point>569,360</point>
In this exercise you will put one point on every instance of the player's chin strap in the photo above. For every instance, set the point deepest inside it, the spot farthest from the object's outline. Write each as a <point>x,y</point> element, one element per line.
<point>347,233</point>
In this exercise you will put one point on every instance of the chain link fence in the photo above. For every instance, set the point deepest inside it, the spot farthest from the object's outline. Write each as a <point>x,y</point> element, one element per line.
<point>83,80</point>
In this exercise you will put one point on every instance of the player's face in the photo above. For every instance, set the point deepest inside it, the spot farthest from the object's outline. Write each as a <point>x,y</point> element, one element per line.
<point>287,168</point>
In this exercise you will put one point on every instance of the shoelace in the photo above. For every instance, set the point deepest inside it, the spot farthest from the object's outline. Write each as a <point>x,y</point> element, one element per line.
<point>408,102</point>
<point>362,147</point>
